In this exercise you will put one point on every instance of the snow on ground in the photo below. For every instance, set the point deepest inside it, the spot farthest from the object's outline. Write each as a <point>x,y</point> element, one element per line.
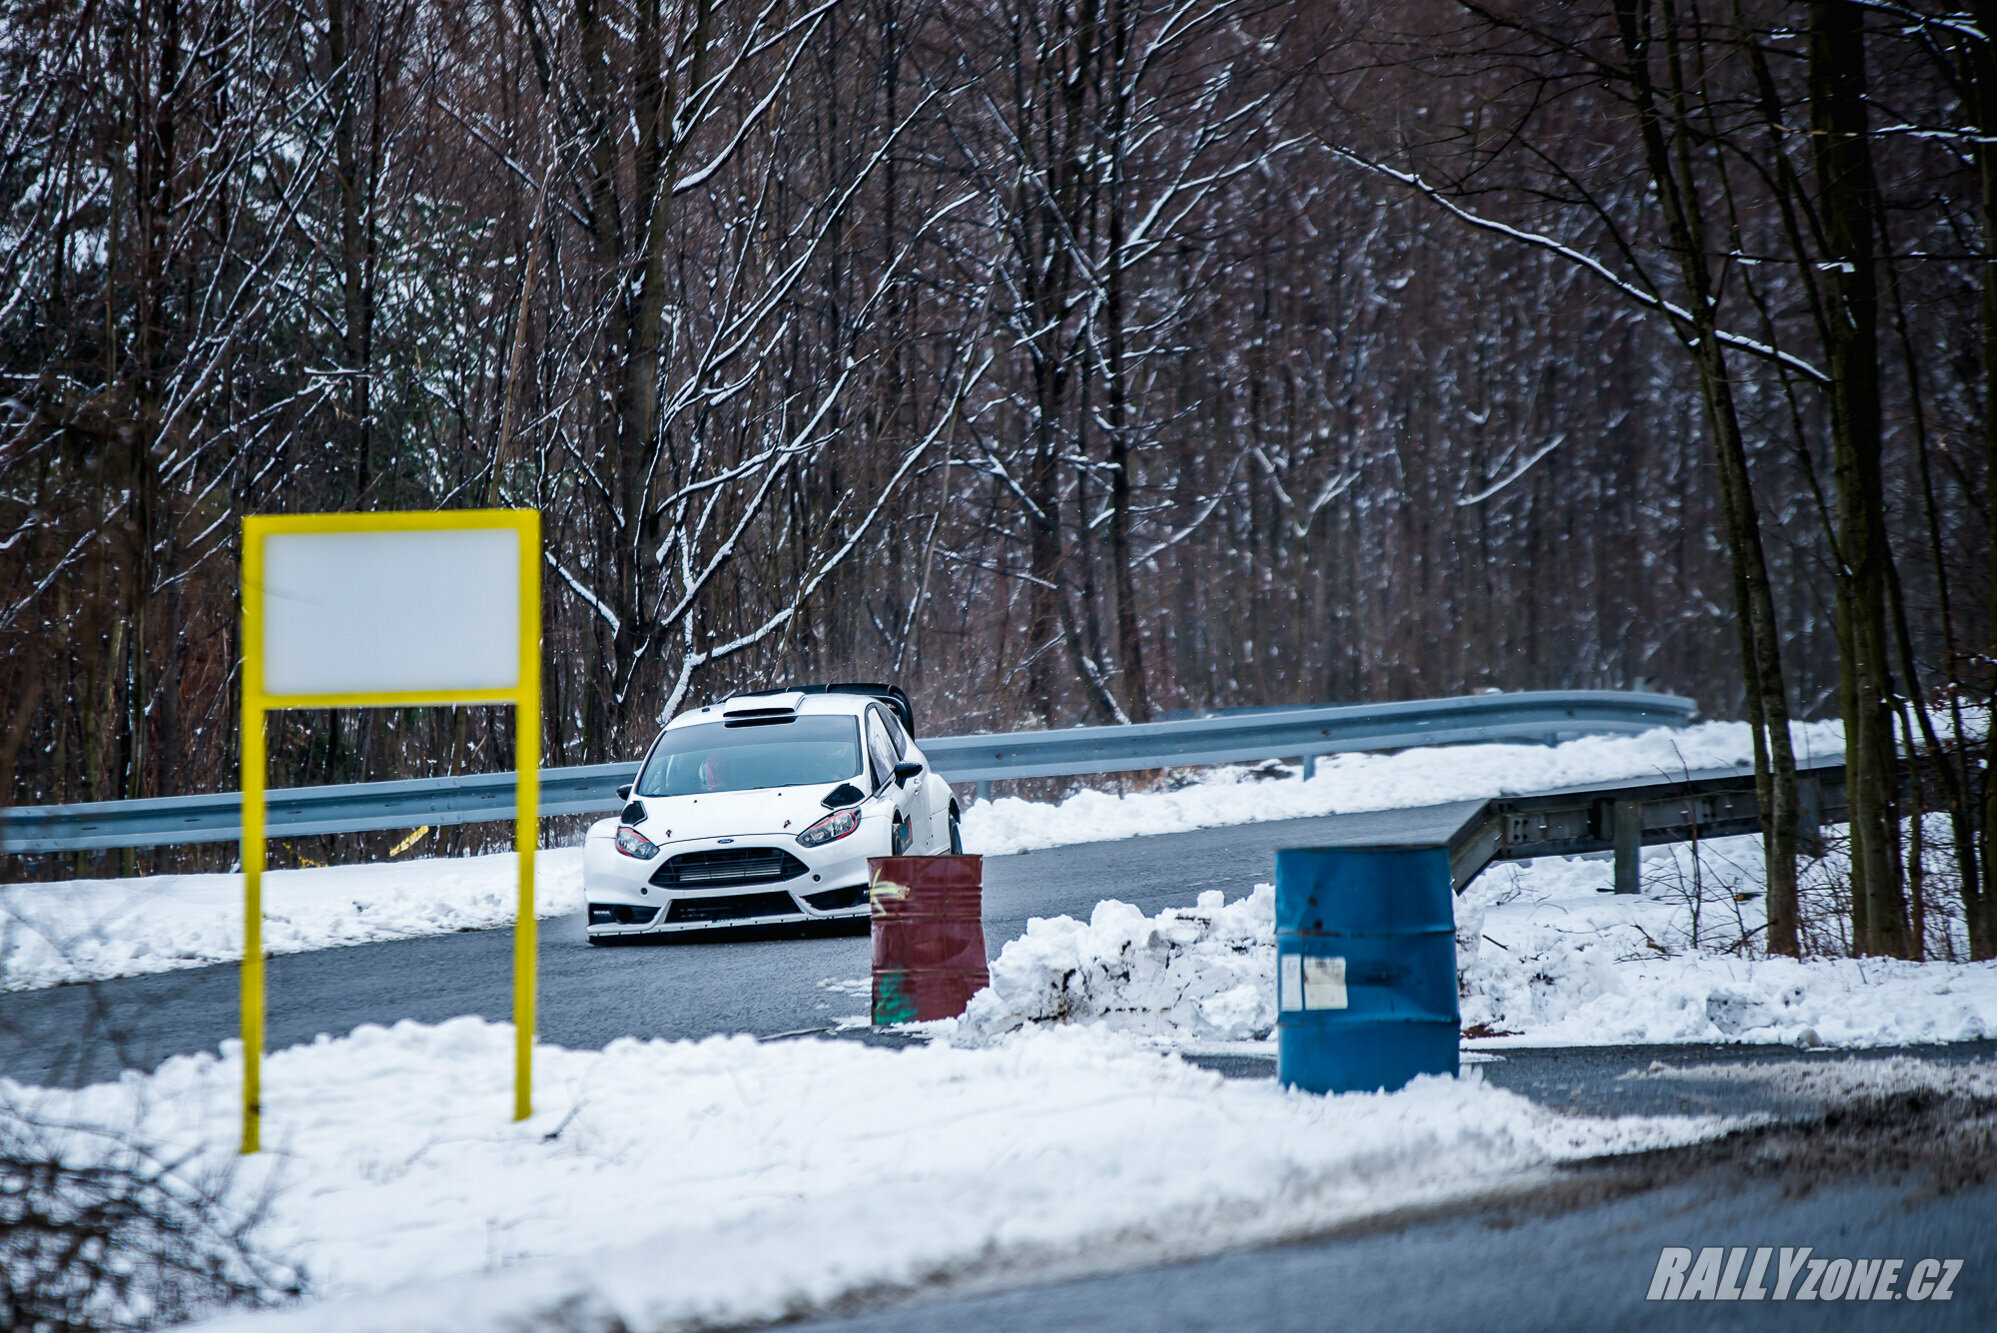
<point>1347,783</point>
<point>1545,958</point>
<point>671,1184</point>
<point>84,930</point>
<point>93,929</point>
<point>1548,956</point>
<point>1847,1081</point>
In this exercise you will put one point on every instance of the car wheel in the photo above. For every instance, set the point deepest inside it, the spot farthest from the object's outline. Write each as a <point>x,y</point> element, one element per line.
<point>956,837</point>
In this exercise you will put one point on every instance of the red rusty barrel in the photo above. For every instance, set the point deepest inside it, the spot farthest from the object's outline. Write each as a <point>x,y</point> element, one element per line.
<point>929,935</point>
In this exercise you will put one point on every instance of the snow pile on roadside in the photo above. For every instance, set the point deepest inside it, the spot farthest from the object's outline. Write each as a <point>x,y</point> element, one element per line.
<point>1545,958</point>
<point>1205,971</point>
<point>1557,962</point>
<point>94,929</point>
<point>665,1185</point>
<point>1351,782</point>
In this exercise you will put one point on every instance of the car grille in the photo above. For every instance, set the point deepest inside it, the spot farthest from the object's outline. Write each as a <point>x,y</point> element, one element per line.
<point>728,865</point>
<point>733,907</point>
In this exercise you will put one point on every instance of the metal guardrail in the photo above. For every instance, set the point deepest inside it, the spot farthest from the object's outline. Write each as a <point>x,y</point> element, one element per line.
<point>1626,816</point>
<point>1546,716</point>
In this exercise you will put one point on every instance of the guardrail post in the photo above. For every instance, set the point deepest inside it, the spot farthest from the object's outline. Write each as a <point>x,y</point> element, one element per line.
<point>984,789</point>
<point>1810,817</point>
<point>1310,767</point>
<point>1629,846</point>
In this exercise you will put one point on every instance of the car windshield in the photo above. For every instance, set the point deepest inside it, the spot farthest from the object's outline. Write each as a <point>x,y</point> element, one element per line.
<point>743,756</point>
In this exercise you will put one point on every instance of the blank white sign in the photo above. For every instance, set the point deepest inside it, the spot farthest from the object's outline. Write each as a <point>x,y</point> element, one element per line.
<point>391,612</point>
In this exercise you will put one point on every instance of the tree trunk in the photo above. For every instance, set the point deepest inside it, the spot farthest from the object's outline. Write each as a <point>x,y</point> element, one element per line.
<point>631,255</point>
<point>1754,608</point>
<point>1846,190</point>
<point>1129,646</point>
<point>353,241</point>
<point>1982,48</point>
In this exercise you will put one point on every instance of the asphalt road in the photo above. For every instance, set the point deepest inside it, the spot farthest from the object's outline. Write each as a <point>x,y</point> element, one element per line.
<point>589,997</point>
<point>1532,1265</point>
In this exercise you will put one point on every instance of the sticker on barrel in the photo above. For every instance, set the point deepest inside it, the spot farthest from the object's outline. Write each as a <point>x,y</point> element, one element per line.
<point>1308,981</point>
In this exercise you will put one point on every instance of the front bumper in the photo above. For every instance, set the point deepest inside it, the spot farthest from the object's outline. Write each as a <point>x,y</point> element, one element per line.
<point>624,899</point>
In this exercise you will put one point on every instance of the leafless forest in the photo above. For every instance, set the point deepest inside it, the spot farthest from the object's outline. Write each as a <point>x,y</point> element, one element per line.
<point>1076,360</point>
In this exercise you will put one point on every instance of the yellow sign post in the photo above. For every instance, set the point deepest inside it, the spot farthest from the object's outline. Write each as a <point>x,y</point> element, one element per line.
<point>390,611</point>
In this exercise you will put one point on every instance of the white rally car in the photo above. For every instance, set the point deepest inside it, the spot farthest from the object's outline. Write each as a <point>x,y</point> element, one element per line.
<point>762,810</point>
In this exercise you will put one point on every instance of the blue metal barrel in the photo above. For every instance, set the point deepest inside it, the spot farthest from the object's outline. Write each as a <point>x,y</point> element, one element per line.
<point>1365,967</point>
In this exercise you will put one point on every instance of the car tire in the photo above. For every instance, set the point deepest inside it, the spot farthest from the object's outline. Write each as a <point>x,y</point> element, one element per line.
<point>956,837</point>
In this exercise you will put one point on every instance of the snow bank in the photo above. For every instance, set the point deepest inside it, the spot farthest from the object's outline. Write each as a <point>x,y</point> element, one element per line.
<point>670,1184</point>
<point>1203,973</point>
<point>85,930</point>
<point>1545,958</point>
<point>1557,962</point>
<point>1352,782</point>
<point>93,929</point>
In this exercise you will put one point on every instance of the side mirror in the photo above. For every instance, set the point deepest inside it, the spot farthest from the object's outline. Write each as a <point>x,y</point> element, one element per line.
<point>903,772</point>
<point>624,792</point>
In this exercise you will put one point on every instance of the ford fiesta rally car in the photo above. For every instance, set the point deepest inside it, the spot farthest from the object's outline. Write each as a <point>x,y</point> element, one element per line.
<point>762,810</point>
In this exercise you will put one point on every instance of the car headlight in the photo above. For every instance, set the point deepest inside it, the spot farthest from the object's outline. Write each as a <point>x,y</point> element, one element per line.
<point>636,845</point>
<point>834,826</point>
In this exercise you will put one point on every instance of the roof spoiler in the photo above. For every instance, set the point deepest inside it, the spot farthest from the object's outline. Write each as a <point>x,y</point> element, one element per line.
<point>891,695</point>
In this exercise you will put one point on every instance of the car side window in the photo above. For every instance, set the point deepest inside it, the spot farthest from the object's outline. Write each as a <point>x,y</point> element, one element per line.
<point>897,735</point>
<point>879,747</point>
